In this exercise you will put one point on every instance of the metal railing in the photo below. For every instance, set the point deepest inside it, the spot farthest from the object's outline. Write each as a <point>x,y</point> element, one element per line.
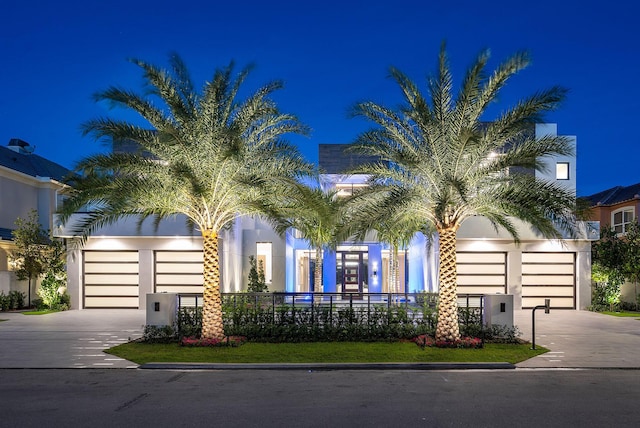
<point>412,302</point>
<point>340,299</point>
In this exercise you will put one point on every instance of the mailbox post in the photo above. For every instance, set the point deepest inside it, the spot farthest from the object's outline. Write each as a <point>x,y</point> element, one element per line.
<point>546,307</point>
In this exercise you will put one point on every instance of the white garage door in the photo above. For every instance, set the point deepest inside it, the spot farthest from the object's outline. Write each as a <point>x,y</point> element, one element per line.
<point>110,279</point>
<point>179,272</point>
<point>482,273</point>
<point>549,276</point>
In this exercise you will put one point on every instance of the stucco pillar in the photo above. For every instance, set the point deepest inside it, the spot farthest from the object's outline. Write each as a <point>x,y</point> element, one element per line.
<point>514,276</point>
<point>145,276</point>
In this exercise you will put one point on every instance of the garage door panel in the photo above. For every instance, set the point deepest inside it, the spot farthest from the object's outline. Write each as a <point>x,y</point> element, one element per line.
<point>196,289</point>
<point>548,258</point>
<point>179,272</point>
<point>534,269</point>
<point>111,267</point>
<point>110,290</point>
<point>550,291</point>
<point>480,280</point>
<point>179,268</point>
<point>179,256</point>
<point>110,279</point>
<point>548,275</point>
<point>476,269</point>
<point>179,279</point>
<point>480,273</point>
<point>485,290</point>
<point>547,280</point>
<point>110,256</point>
<point>476,258</point>
<point>128,279</point>
<point>111,302</point>
<point>555,302</point>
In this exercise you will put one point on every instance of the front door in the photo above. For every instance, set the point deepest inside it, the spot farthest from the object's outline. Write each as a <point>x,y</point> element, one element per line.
<point>351,271</point>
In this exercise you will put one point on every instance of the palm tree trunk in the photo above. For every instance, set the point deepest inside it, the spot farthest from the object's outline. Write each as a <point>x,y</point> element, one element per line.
<point>212,326</point>
<point>317,274</point>
<point>448,328</point>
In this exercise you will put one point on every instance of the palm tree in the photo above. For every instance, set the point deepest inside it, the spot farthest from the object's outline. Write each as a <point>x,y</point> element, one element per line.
<point>396,228</point>
<point>440,163</point>
<point>318,216</point>
<point>204,155</point>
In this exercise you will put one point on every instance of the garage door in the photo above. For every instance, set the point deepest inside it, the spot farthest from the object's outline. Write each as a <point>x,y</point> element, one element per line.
<point>179,272</point>
<point>110,279</point>
<point>482,273</point>
<point>549,276</point>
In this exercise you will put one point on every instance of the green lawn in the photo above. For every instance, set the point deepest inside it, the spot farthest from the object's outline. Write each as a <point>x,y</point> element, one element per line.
<point>321,352</point>
<point>630,314</point>
<point>42,312</point>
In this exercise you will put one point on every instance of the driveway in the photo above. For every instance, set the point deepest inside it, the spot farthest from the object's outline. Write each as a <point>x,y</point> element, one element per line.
<point>581,339</point>
<point>70,339</point>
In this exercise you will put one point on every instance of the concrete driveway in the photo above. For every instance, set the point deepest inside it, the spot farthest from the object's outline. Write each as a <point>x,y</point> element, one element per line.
<point>70,339</point>
<point>76,339</point>
<point>581,339</point>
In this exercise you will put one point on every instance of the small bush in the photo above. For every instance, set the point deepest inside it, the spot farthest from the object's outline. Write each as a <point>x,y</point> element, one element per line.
<point>464,342</point>
<point>16,299</point>
<point>4,302</point>
<point>233,341</point>
<point>159,334</point>
<point>502,334</point>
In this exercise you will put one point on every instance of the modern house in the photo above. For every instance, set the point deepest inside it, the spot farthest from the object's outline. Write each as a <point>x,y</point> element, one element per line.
<point>27,182</point>
<point>120,264</point>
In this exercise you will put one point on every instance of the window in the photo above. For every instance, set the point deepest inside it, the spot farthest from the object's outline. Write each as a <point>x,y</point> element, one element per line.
<point>562,171</point>
<point>264,258</point>
<point>622,218</point>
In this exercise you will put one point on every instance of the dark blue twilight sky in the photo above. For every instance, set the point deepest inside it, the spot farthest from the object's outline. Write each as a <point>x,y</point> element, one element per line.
<point>56,54</point>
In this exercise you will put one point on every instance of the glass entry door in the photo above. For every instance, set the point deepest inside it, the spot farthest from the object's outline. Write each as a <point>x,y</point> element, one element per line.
<point>351,272</point>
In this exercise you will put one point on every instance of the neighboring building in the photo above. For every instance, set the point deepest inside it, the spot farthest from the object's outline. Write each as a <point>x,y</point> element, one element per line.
<point>616,208</point>
<point>27,182</point>
<point>119,265</point>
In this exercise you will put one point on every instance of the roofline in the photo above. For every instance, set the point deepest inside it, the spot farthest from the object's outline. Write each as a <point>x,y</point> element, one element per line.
<point>37,178</point>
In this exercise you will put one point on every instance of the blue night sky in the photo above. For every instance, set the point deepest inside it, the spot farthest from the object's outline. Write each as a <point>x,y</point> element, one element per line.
<point>331,54</point>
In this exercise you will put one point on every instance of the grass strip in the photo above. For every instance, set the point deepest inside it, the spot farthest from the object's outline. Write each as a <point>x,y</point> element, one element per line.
<point>42,312</point>
<point>321,352</point>
<point>624,314</point>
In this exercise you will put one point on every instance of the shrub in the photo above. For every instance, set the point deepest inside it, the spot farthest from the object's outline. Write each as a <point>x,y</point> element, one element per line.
<point>53,292</point>
<point>16,299</point>
<point>464,342</point>
<point>233,341</point>
<point>159,334</point>
<point>4,302</point>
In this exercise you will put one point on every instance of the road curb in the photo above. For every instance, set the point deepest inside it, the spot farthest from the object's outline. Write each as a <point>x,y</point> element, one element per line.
<point>328,366</point>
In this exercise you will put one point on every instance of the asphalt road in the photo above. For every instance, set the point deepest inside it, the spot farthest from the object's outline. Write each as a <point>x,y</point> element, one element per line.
<point>250,398</point>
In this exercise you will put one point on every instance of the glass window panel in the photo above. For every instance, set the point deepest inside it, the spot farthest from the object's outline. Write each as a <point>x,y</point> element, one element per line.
<point>562,171</point>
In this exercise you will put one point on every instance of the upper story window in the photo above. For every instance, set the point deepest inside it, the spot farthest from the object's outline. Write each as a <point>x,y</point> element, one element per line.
<point>621,219</point>
<point>562,171</point>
